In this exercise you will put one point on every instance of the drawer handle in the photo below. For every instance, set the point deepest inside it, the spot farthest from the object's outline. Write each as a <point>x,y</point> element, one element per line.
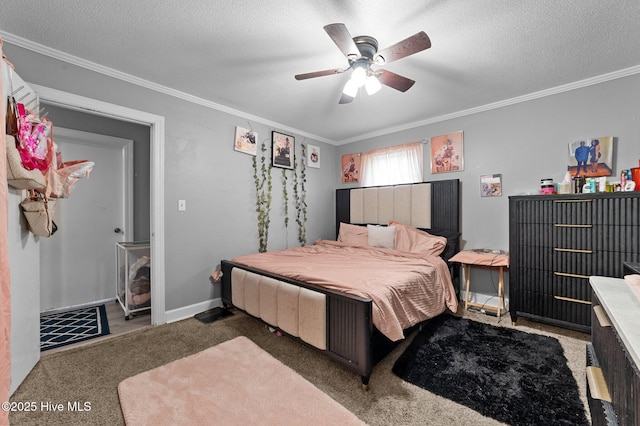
<point>573,250</point>
<point>564,274</point>
<point>603,319</point>
<point>574,201</point>
<point>568,299</point>
<point>597,384</point>
<point>568,225</point>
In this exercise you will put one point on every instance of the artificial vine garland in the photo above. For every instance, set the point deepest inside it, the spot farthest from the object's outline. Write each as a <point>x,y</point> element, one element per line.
<point>285,200</point>
<point>263,197</point>
<point>300,193</point>
<point>262,180</point>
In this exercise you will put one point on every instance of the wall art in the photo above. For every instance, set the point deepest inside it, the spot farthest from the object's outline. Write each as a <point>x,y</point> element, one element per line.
<point>351,168</point>
<point>313,156</point>
<point>283,148</point>
<point>491,186</point>
<point>591,157</point>
<point>245,141</point>
<point>447,153</point>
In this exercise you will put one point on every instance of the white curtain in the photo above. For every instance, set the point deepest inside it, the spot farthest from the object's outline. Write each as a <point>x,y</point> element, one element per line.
<point>393,165</point>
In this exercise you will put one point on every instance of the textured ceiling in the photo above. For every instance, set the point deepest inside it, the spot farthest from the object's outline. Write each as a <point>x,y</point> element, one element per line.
<point>244,54</point>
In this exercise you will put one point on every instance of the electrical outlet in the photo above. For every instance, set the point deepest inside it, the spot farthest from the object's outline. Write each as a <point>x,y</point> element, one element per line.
<point>182,205</point>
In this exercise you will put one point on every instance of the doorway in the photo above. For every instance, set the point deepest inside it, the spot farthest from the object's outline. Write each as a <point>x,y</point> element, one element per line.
<point>156,187</point>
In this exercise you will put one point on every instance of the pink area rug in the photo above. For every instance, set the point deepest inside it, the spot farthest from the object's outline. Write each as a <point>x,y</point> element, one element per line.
<point>233,383</point>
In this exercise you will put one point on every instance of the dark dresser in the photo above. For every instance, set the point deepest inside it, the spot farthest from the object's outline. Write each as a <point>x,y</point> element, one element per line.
<point>629,268</point>
<point>613,357</point>
<point>556,242</point>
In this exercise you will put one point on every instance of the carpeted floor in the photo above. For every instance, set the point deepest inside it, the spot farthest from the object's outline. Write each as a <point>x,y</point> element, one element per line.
<point>512,376</point>
<point>66,328</point>
<point>91,373</point>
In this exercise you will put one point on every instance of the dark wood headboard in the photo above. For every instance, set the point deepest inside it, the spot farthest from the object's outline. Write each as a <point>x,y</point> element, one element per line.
<point>443,205</point>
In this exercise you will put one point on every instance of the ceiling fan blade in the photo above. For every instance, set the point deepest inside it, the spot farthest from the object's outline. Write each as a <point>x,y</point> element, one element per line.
<point>341,37</point>
<point>395,81</point>
<point>318,74</point>
<point>345,99</point>
<point>414,44</point>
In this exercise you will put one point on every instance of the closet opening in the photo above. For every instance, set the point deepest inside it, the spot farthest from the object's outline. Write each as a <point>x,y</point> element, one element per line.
<point>78,265</point>
<point>147,220</point>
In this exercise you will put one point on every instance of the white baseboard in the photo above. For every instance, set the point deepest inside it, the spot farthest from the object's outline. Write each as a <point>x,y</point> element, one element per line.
<point>191,310</point>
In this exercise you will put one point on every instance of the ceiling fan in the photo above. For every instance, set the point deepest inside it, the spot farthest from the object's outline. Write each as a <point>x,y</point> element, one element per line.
<point>362,52</point>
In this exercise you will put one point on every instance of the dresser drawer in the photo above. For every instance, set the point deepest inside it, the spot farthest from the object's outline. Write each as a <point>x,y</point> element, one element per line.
<point>574,212</point>
<point>619,238</point>
<point>602,412</point>
<point>558,310</point>
<point>572,262</point>
<point>620,372</point>
<point>597,211</point>
<point>551,284</point>
<point>586,263</point>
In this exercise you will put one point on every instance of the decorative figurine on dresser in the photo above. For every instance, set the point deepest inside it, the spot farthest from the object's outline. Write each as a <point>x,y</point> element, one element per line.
<point>556,242</point>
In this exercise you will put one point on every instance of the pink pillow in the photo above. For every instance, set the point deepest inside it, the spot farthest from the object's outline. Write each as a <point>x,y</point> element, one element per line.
<point>413,240</point>
<point>353,235</point>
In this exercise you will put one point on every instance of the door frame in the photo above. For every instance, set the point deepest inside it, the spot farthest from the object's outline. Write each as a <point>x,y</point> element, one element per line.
<point>156,124</point>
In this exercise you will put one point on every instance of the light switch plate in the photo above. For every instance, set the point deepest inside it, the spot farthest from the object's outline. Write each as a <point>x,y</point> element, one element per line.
<point>182,205</point>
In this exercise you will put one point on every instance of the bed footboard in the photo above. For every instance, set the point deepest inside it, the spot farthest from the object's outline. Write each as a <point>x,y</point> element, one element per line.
<point>336,324</point>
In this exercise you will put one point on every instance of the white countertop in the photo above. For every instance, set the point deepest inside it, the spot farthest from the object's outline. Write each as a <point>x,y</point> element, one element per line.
<point>623,309</point>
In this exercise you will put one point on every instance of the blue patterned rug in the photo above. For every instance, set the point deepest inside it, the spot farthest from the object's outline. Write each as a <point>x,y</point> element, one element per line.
<point>66,328</point>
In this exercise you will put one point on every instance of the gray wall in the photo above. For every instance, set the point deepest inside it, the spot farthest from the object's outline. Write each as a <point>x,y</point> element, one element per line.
<point>78,120</point>
<point>525,142</point>
<point>202,168</point>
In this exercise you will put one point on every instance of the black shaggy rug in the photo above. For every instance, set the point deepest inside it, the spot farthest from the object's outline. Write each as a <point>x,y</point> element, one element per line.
<point>512,376</point>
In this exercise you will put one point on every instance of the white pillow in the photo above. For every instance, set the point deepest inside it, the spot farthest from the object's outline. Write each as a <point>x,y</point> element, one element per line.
<point>381,236</point>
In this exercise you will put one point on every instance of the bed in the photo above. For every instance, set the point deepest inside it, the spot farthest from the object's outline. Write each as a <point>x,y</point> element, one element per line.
<point>353,318</point>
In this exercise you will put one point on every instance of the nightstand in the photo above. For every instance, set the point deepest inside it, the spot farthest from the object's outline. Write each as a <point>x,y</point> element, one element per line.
<point>483,259</point>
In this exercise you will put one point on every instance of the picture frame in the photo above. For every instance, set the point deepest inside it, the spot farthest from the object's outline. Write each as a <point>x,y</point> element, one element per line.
<point>447,153</point>
<point>245,141</point>
<point>350,169</point>
<point>491,185</point>
<point>591,157</point>
<point>313,156</point>
<point>283,149</point>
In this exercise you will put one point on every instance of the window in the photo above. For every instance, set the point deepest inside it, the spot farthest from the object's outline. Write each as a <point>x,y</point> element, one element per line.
<point>393,165</point>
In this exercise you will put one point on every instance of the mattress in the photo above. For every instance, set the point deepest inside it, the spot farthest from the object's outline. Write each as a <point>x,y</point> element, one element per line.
<point>405,288</point>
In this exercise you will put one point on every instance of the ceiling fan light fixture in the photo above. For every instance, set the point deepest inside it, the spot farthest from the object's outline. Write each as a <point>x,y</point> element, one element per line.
<point>351,88</point>
<point>359,75</point>
<point>372,84</point>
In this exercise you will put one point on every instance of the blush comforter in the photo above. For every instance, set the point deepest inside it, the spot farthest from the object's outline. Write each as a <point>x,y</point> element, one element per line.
<point>406,288</point>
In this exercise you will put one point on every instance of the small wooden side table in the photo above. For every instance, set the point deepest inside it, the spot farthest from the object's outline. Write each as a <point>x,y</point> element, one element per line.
<point>483,259</point>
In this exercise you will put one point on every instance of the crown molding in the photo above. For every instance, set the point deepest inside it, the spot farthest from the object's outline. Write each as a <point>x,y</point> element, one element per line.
<point>500,104</point>
<point>129,78</point>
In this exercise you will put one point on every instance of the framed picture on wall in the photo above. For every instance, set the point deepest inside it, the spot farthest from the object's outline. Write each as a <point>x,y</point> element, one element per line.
<point>591,157</point>
<point>351,168</point>
<point>313,156</point>
<point>491,185</point>
<point>283,148</point>
<point>245,141</point>
<point>447,153</point>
